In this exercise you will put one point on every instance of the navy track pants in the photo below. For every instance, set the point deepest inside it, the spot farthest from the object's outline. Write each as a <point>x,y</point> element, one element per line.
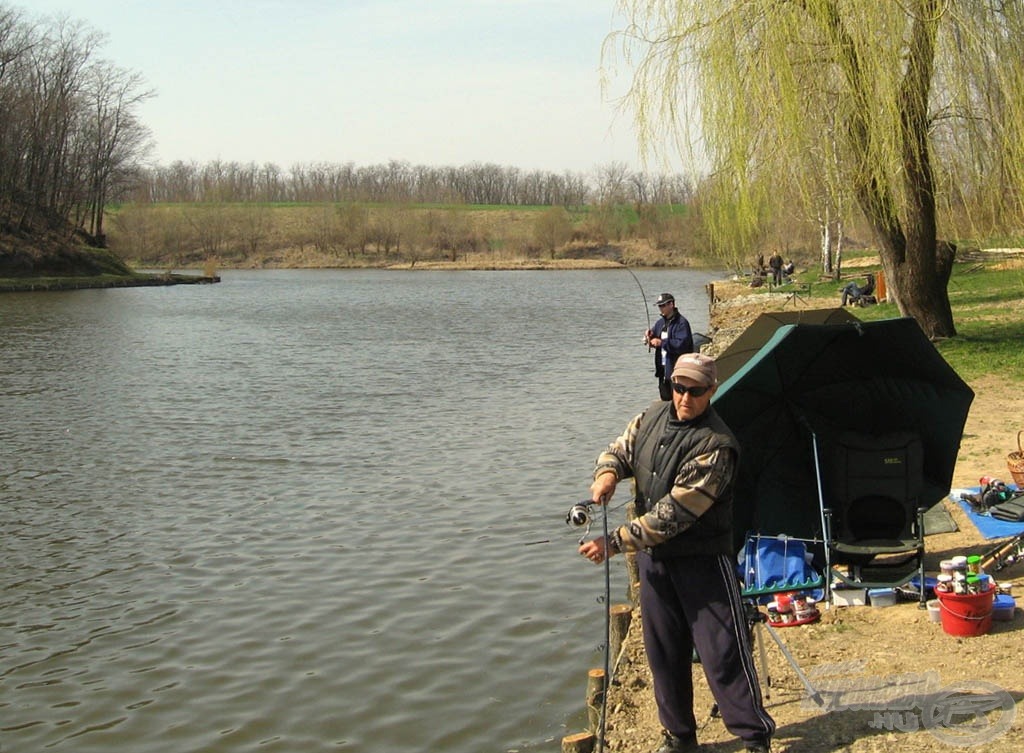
<point>694,602</point>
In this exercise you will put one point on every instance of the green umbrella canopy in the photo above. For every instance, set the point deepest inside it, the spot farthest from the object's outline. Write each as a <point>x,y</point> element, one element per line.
<point>760,331</point>
<point>875,378</point>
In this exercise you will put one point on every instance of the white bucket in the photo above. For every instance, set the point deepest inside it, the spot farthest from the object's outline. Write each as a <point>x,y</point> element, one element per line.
<point>934,610</point>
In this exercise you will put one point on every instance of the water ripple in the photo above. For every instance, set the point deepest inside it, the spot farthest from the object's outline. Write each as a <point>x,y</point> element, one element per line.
<point>233,521</point>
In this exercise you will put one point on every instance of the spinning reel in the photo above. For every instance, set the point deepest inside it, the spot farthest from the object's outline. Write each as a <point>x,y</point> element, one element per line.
<point>579,514</point>
<point>579,517</point>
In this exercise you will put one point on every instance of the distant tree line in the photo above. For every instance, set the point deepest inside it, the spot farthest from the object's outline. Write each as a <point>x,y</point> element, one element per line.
<point>70,140</point>
<point>401,182</point>
<point>72,147</point>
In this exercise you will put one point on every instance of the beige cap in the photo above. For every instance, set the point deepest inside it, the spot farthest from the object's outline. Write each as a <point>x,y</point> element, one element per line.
<point>696,366</point>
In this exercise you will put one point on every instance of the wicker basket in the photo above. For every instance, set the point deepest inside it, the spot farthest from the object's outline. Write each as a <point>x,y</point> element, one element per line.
<point>1015,463</point>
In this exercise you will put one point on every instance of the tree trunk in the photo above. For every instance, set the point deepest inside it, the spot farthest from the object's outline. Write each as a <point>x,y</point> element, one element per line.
<point>917,266</point>
<point>922,292</point>
<point>922,278</point>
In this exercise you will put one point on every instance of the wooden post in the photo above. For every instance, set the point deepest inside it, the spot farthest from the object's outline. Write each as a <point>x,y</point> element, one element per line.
<point>634,578</point>
<point>632,570</point>
<point>621,616</point>
<point>581,742</point>
<point>595,696</point>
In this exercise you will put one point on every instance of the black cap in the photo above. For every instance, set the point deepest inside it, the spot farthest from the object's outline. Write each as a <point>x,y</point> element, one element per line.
<point>664,298</point>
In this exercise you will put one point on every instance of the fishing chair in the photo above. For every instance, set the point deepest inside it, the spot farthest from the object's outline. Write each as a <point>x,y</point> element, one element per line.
<point>873,519</point>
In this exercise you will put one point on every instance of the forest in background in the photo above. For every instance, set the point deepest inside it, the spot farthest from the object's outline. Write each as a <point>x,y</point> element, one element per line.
<point>73,170</point>
<point>373,235</point>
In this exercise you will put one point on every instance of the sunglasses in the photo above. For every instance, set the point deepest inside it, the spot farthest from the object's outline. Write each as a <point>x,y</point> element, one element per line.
<point>682,389</point>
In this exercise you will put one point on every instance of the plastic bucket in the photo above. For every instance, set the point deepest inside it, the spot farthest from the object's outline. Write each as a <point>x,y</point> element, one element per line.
<point>966,614</point>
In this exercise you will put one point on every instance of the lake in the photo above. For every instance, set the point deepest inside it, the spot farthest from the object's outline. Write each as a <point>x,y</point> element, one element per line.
<point>311,510</point>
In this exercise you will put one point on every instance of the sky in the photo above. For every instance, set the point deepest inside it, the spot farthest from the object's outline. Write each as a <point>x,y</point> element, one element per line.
<point>516,83</point>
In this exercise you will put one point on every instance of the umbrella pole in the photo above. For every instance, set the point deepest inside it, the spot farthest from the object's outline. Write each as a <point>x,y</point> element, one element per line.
<point>824,526</point>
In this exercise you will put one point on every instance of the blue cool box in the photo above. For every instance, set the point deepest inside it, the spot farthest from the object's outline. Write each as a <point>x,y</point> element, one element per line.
<point>1002,607</point>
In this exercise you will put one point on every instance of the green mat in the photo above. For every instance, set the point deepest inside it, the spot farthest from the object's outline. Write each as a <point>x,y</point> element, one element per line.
<point>938,520</point>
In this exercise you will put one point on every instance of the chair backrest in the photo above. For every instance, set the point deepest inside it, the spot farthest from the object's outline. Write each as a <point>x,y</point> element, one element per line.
<point>874,483</point>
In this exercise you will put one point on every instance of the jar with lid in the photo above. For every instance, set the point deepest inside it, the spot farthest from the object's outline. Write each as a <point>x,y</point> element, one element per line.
<point>974,564</point>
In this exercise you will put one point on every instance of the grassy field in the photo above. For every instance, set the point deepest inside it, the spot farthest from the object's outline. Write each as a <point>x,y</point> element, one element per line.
<point>987,298</point>
<point>380,235</point>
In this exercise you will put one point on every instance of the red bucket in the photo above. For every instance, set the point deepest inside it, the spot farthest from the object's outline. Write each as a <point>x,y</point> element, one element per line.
<point>966,614</point>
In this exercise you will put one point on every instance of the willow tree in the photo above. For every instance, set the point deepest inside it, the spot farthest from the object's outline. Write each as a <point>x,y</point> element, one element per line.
<point>912,110</point>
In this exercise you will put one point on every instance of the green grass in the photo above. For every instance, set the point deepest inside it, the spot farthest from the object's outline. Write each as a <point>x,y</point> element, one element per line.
<point>989,318</point>
<point>988,311</point>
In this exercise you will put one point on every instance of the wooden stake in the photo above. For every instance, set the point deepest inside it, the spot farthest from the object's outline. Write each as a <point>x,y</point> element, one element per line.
<point>633,572</point>
<point>621,616</point>
<point>595,695</point>
<point>581,742</point>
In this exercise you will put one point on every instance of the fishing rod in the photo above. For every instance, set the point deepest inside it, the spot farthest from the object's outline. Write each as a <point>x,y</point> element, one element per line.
<point>699,338</point>
<point>647,309</point>
<point>579,517</point>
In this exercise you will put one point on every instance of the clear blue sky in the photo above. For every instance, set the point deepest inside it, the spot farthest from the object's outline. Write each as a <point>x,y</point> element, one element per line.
<point>431,82</point>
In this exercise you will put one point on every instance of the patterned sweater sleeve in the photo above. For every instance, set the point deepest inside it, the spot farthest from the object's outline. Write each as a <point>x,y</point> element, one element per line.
<point>698,485</point>
<point>617,458</point>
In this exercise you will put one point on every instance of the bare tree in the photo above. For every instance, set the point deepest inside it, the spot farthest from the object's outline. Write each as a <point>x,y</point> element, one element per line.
<point>117,139</point>
<point>69,137</point>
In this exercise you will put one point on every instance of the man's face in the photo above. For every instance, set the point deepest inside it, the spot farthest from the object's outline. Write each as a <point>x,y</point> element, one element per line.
<point>666,309</point>
<point>688,405</point>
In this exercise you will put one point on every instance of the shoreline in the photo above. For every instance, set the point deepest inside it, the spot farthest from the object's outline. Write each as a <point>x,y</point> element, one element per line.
<point>873,640</point>
<point>148,279</point>
<point>138,280</point>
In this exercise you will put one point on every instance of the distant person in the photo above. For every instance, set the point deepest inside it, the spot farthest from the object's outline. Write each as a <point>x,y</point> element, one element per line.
<point>855,295</point>
<point>775,264</point>
<point>670,338</point>
<point>683,460</point>
<point>788,268</point>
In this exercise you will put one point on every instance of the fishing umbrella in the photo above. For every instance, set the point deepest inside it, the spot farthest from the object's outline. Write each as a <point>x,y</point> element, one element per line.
<point>760,331</point>
<point>874,378</point>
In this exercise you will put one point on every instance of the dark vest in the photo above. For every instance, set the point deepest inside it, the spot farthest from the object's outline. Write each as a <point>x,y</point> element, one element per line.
<point>662,442</point>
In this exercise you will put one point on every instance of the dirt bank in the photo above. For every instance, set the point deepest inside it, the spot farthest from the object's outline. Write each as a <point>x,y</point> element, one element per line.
<point>877,649</point>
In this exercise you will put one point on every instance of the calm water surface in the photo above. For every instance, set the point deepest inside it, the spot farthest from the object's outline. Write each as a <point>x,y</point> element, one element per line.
<point>297,511</point>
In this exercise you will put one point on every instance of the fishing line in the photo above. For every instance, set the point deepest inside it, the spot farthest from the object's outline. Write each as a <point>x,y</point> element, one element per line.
<point>647,309</point>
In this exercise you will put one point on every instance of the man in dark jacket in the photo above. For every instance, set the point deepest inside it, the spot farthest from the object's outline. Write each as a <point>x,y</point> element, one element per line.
<point>775,263</point>
<point>670,338</point>
<point>683,459</point>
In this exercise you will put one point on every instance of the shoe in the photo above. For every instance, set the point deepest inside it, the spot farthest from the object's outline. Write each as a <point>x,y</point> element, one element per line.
<point>675,744</point>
